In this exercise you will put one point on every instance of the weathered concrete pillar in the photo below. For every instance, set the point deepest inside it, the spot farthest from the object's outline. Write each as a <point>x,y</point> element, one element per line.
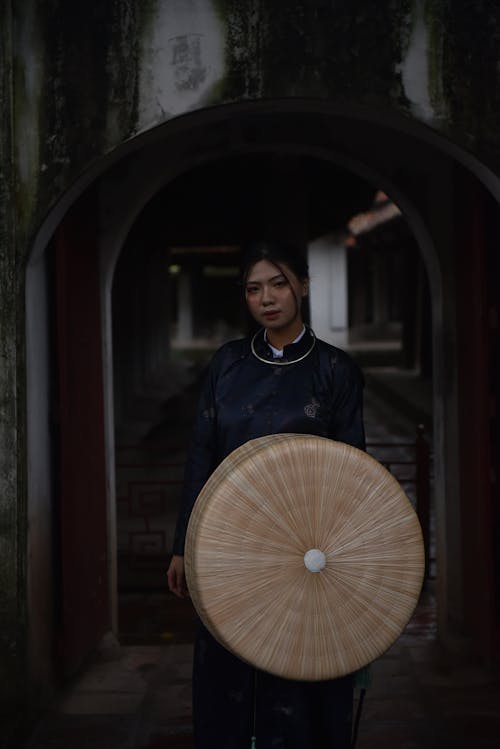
<point>328,297</point>
<point>379,290</point>
<point>185,310</point>
<point>12,489</point>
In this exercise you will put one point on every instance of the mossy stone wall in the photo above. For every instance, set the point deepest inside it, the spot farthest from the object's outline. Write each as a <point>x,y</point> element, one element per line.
<point>72,91</point>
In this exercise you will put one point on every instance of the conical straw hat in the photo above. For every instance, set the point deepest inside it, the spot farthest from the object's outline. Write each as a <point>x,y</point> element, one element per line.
<point>304,556</point>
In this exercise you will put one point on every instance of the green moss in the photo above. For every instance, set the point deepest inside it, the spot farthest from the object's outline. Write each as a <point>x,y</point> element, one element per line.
<point>407,24</point>
<point>88,58</point>
<point>73,116</point>
<point>465,44</point>
<point>434,16</point>
<point>92,66</point>
<point>130,21</point>
<point>322,49</point>
<point>26,113</point>
<point>243,22</point>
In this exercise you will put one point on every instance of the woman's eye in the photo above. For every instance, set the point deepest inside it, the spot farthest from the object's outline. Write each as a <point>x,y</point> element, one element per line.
<point>252,289</point>
<point>279,284</point>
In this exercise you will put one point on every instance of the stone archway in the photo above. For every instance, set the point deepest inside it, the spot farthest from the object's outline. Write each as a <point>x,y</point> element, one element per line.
<point>414,166</point>
<point>132,205</point>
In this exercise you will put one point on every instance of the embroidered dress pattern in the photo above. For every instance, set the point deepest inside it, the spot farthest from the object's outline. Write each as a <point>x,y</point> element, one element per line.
<point>311,409</point>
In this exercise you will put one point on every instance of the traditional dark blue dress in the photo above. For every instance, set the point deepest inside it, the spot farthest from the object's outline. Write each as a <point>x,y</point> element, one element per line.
<point>315,389</point>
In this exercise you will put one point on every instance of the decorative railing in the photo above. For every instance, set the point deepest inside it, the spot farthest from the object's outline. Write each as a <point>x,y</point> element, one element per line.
<point>149,483</point>
<point>410,462</point>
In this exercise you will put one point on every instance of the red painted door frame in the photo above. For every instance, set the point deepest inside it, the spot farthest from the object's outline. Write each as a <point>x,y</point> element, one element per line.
<point>84,607</point>
<point>475,393</point>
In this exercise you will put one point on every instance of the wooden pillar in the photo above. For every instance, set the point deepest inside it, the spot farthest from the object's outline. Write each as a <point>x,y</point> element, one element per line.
<point>474,396</point>
<point>82,528</point>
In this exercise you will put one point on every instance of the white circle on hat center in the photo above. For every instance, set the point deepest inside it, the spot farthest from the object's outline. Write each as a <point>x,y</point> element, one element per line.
<point>314,560</point>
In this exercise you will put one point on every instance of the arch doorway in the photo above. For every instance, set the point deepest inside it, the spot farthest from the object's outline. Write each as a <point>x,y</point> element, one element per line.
<point>424,178</point>
<point>176,299</point>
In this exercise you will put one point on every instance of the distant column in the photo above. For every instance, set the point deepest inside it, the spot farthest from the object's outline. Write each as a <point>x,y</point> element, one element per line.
<point>185,311</point>
<point>328,297</point>
<point>380,316</point>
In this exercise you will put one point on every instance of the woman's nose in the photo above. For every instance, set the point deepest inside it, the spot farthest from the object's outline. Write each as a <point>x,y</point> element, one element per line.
<point>267,295</point>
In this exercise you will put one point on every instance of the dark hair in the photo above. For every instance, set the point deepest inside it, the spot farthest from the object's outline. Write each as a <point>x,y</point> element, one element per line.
<point>278,253</point>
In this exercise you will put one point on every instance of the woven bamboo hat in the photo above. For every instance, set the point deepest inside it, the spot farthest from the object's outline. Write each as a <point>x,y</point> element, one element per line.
<point>304,556</point>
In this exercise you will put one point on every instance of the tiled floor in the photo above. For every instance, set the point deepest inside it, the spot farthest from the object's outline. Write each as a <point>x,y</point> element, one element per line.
<point>424,698</point>
<point>138,697</point>
<point>128,697</point>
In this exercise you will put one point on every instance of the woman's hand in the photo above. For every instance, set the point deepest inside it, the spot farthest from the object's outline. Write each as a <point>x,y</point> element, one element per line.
<point>177,578</point>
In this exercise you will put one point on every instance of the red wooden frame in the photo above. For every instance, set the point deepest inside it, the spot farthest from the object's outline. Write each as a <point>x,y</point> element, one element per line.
<point>83,597</point>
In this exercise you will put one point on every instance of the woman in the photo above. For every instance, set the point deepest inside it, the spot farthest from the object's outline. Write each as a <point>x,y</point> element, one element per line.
<point>282,379</point>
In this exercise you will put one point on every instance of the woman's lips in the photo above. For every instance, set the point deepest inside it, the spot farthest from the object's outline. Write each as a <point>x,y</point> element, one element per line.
<point>271,315</point>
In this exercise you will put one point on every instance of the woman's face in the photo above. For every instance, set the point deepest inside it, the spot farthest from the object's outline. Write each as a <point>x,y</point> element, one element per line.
<point>274,298</point>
